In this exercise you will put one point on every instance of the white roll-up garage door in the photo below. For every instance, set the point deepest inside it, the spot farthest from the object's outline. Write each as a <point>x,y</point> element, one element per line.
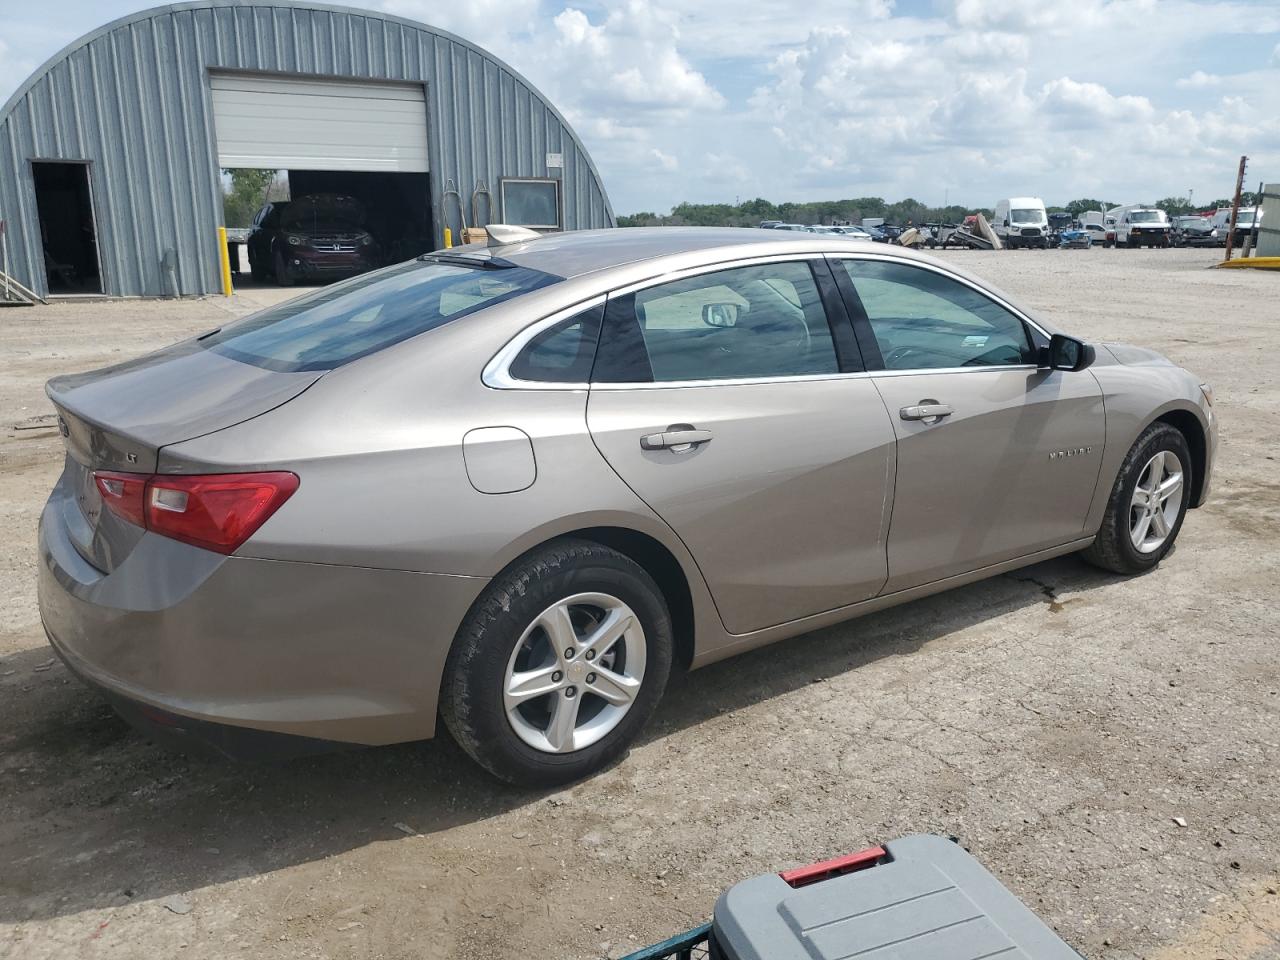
<point>286,123</point>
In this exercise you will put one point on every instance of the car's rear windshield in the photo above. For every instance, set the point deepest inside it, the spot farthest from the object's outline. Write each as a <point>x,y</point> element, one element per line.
<point>346,321</point>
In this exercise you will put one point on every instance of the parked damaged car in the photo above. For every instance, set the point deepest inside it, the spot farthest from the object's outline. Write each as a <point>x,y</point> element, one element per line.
<point>1195,231</point>
<point>317,237</point>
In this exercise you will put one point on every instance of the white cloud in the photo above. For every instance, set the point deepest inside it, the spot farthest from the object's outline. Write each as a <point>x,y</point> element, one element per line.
<point>665,160</point>
<point>1275,56</point>
<point>1199,79</point>
<point>632,58</point>
<point>1091,104</point>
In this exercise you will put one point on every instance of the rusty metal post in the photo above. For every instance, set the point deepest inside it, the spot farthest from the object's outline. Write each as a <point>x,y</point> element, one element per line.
<point>1235,208</point>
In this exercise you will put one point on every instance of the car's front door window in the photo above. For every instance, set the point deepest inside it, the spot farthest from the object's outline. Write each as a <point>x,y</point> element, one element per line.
<point>765,320</point>
<point>922,320</point>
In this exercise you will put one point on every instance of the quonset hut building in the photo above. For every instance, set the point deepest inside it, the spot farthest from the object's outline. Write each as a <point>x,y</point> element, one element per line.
<point>112,154</point>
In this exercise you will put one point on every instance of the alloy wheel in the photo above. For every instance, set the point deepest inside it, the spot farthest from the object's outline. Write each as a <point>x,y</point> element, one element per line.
<point>575,673</point>
<point>1156,501</point>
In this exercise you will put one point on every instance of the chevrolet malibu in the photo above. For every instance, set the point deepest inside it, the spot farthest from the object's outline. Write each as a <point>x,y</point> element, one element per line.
<point>514,486</point>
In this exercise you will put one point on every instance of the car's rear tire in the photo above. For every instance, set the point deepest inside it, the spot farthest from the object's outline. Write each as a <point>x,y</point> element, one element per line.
<point>1147,505</point>
<point>522,708</point>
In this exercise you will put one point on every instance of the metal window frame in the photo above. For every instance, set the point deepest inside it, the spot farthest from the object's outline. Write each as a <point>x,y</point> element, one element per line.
<point>502,200</point>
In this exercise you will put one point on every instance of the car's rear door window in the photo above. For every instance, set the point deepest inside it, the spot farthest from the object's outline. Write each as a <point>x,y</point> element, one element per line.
<point>921,319</point>
<point>346,321</point>
<point>766,320</point>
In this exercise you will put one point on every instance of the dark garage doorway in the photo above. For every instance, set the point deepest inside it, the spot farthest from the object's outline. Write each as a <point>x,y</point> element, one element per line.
<point>398,205</point>
<point>67,234</point>
<point>393,208</point>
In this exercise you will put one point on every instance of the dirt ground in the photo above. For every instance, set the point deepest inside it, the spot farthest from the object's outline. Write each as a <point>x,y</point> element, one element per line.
<point>1056,719</point>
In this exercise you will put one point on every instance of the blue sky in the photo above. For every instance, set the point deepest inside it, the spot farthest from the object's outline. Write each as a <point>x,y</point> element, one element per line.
<point>972,100</point>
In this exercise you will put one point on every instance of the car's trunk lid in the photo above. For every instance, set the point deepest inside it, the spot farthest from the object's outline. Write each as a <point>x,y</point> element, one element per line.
<point>118,418</point>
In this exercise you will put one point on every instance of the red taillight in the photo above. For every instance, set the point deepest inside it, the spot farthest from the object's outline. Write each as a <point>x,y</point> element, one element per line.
<point>217,511</point>
<point>123,494</point>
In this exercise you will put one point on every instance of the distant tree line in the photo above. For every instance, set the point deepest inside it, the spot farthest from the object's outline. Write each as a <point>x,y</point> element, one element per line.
<point>752,212</point>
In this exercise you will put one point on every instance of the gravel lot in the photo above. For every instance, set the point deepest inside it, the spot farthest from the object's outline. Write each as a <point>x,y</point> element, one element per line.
<point>1056,719</point>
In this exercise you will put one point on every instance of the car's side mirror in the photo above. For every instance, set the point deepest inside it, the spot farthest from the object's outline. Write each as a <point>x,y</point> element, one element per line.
<point>1066,353</point>
<point>720,314</point>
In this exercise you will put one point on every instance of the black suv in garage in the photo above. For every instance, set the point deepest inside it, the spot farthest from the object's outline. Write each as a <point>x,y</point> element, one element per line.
<point>315,237</point>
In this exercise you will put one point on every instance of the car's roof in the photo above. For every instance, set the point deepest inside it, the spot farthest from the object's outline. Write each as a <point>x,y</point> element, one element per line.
<point>580,252</point>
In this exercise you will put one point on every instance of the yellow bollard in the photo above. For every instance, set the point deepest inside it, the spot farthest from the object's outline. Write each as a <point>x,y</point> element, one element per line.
<point>448,238</point>
<point>224,258</point>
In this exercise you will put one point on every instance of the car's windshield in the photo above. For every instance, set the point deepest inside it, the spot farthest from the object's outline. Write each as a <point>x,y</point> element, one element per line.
<point>1026,215</point>
<point>1244,217</point>
<point>338,324</point>
<point>1145,216</point>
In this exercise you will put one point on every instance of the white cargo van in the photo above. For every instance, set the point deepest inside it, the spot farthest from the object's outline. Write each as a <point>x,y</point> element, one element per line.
<point>1139,225</point>
<point>1244,222</point>
<point>1021,222</point>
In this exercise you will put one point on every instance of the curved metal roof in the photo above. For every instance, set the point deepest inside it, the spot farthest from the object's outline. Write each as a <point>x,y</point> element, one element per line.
<point>171,8</point>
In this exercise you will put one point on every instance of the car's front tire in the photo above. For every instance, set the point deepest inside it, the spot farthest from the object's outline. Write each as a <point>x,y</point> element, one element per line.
<point>558,665</point>
<point>1147,505</point>
<point>284,275</point>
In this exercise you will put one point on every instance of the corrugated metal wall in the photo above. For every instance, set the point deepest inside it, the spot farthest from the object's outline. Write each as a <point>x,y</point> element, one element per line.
<point>133,99</point>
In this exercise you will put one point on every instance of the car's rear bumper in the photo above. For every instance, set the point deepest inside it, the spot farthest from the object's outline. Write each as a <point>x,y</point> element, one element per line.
<point>320,651</point>
<point>190,735</point>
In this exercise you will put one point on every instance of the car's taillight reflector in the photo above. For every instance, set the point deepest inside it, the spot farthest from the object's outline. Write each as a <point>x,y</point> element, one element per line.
<point>124,494</point>
<point>218,511</point>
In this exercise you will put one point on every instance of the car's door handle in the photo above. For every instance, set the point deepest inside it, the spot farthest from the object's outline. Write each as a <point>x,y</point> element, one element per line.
<point>678,439</point>
<point>930,410</point>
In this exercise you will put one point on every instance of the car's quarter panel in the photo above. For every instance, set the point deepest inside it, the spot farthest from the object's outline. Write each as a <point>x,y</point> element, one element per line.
<point>785,510</point>
<point>380,446</point>
<point>1011,471</point>
<point>330,652</point>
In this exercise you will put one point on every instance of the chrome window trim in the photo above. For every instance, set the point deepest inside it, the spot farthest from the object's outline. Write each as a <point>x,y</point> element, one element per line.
<point>930,371</point>
<point>729,381</point>
<point>815,377</point>
<point>876,255</point>
<point>497,372</point>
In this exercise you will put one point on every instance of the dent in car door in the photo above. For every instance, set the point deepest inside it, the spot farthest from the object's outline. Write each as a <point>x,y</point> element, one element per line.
<point>779,487</point>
